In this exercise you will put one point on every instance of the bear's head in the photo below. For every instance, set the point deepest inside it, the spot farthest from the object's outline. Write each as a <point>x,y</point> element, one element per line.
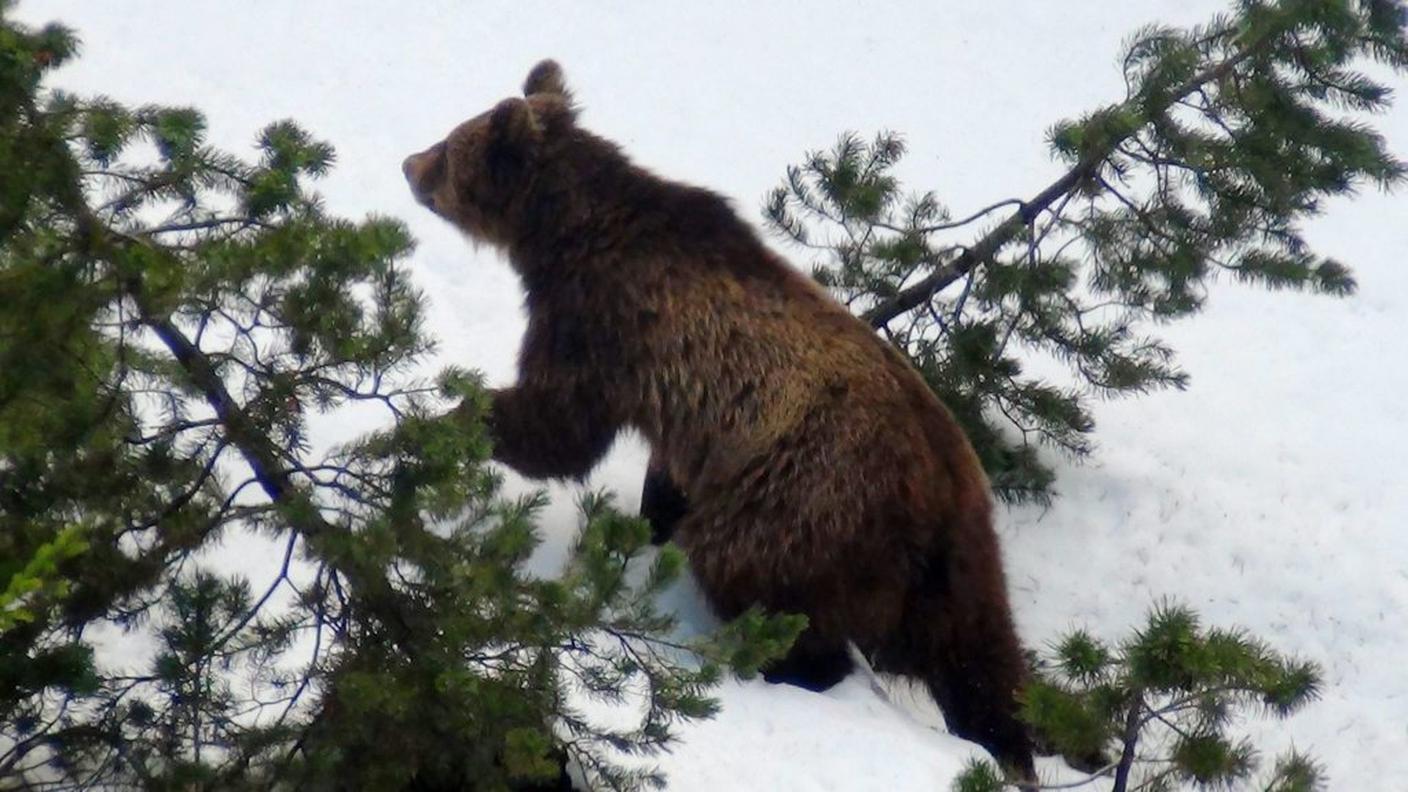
<point>482,176</point>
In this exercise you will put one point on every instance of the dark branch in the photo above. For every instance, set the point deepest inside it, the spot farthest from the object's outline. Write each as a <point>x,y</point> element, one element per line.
<point>1011,228</point>
<point>1132,725</point>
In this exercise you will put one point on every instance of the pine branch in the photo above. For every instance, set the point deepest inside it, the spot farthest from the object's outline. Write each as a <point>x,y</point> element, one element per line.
<point>1090,778</point>
<point>234,629</point>
<point>978,215</point>
<point>256,447</point>
<point>1010,229</point>
<point>1132,724</point>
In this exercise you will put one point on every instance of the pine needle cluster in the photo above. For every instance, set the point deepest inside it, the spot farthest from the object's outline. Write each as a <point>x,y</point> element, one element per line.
<point>1155,712</point>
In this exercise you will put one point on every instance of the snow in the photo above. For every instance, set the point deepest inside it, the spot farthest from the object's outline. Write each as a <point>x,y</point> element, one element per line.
<point>1269,495</point>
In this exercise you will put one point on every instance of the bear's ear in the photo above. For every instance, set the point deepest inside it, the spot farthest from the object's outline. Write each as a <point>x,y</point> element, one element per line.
<point>512,125</point>
<point>546,78</point>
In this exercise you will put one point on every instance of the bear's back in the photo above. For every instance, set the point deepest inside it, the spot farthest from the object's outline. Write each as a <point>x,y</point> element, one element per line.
<point>737,353</point>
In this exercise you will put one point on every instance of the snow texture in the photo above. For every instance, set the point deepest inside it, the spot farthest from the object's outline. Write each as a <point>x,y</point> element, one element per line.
<point>1268,495</point>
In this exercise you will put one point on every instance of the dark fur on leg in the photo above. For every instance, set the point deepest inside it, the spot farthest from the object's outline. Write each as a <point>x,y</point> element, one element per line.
<point>967,654</point>
<point>812,664</point>
<point>662,504</point>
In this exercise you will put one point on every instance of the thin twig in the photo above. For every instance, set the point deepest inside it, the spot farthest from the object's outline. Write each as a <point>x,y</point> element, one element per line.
<point>986,210</point>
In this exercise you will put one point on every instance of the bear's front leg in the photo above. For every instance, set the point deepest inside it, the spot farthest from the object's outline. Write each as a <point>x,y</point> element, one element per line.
<point>546,433</point>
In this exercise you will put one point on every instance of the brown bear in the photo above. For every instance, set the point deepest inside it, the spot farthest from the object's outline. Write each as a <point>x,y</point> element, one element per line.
<point>822,475</point>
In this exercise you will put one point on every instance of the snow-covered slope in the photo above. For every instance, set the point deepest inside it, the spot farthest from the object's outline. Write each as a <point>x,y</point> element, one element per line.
<point>1268,495</point>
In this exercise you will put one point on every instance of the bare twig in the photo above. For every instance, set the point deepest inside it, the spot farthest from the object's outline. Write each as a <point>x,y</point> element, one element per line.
<point>978,215</point>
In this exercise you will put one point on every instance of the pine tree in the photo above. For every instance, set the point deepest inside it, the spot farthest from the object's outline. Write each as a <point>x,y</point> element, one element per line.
<point>1153,714</point>
<point>171,316</point>
<point>1229,136</point>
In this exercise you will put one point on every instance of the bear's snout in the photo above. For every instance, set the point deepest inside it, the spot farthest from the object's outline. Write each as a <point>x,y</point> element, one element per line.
<point>423,171</point>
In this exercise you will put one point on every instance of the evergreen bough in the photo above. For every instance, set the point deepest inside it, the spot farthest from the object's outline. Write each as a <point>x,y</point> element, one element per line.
<point>1152,714</point>
<point>1230,135</point>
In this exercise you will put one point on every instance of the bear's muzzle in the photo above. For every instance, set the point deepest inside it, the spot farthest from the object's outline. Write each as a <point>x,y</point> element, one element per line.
<point>424,172</point>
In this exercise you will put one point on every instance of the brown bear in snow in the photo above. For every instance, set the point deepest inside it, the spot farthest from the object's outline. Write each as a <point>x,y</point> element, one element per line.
<point>822,475</point>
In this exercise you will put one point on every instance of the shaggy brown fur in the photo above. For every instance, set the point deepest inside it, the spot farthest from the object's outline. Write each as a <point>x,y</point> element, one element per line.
<point>822,474</point>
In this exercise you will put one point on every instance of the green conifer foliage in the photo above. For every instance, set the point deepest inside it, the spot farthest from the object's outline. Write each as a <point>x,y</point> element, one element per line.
<point>171,317</point>
<point>1229,136</point>
<point>1153,713</point>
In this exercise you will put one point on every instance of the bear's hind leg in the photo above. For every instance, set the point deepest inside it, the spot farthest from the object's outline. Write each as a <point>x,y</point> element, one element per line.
<point>967,654</point>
